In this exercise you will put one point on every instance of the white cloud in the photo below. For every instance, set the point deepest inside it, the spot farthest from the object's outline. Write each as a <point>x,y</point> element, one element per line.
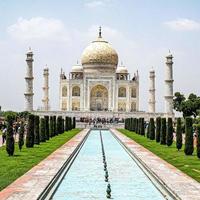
<point>183,25</point>
<point>38,28</point>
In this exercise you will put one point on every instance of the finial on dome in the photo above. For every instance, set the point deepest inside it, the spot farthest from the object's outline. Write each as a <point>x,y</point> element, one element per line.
<point>100,32</point>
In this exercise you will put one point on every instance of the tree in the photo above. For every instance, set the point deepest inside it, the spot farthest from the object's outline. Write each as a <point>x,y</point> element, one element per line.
<point>10,142</point>
<point>169,132</point>
<point>189,148</point>
<point>30,132</point>
<point>42,130</point>
<point>148,130</point>
<point>177,101</point>
<point>63,125</point>
<point>55,125</point>
<point>46,127</point>
<point>51,130</point>
<point>70,123</point>
<point>59,125</point>
<point>158,128</point>
<point>178,134</point>
<point>74,122</point>
<point>152,129</point>
<point>21,136</point>
<point>198,140</point>
<point>36,130</point>
<point>163,131</point>
<point>142,129</point>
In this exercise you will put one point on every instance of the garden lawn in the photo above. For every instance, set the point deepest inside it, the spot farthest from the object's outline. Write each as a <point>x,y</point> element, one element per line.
<point>190,165</point>
<point>12,168</point>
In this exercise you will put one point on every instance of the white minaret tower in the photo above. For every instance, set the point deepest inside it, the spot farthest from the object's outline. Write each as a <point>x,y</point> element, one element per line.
<point>169,84</point>
<point>152,98</point>
<point>45,88</point>
<point>29,82</point>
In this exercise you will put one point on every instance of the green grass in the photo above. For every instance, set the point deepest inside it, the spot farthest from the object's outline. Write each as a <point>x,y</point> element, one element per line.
<point>190,165</point>
<point>13,167</point>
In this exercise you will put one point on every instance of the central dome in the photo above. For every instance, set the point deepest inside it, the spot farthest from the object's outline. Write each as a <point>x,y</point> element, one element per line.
<point>99,52</point>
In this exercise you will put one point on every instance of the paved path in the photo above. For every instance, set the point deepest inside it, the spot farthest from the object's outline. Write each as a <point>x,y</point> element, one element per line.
<point>31,184</point>
<point>182,185</point>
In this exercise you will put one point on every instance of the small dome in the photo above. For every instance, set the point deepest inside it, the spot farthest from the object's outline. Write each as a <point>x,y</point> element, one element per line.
<point>122,70</point>
<point>99,52</point>
<point>77,68</point>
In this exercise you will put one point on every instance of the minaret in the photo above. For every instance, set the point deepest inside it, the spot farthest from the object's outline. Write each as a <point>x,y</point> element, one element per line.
<point>45,88</point>
<point>169,85</point>
<point>29,82</point>
<point>152,90</point>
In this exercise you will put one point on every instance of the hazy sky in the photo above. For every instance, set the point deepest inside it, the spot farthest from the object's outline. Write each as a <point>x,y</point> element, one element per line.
<point>141,31</point>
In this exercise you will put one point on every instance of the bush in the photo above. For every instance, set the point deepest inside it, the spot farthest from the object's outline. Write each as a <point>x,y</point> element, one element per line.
<point>63,125</point>
<point>198,140</point>
<point>21,136</point>
<point>178,134</point>
<point>70,123</point>
<point>189,148</point>
<point>37,130</point>
<point>42,130</point>
<point>151,129</point>
<point>142,129</point>
<point>30,132</point>
<point>46,127</point>
<point>169,132</point>
<point>158,128</point>
<point>66,124</point>
<point>148,130</point>
<point>163,131</point>
<point>59,125</point>
<point>54,126</point>
<point>10,142</point>
<point>51,130</point>
<point>74,122</point>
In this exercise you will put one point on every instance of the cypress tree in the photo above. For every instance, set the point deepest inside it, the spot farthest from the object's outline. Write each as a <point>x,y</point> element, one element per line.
<point>30,132</point>
<point>148,130</point>
<point>51,129</point>
<point>178,134</point>
<point>37,129</point>
<point>10,142</point>
<point>59,125</point>
<point>74,122</point>
<point>142,127</point>
<point>63,125</point>
<point>21,136</point>
<point>169,137</point>
<point>189,148</point>
<point>134,124</point>
<point>158,129</point>
<point>131,124</point>
<point>42,130</point>
<point>70,123</point>
<point>55,125</point>
<point>46,127</point>
<point>139,126</point>
<point>151,129</point>
<point>163,131</point>
<point>66,124</point>
<point>198,140</point>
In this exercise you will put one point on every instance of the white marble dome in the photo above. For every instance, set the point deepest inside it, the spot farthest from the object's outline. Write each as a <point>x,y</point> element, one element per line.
<point>77,68</point>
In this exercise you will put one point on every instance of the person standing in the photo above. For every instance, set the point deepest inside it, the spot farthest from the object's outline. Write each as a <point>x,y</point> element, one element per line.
<point>4,134</point>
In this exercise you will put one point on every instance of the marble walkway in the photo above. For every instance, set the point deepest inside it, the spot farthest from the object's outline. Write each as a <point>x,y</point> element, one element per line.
<point>182,185</point>
<point>31,184</point>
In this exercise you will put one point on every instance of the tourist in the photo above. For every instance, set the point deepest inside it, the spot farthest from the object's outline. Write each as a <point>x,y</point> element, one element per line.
<point>4,134</point>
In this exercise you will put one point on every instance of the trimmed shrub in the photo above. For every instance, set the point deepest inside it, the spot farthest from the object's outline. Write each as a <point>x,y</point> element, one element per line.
<point>66,124</point>
<point>46,127</point>
<point>169,137</point>
<point>59,125</point>
<point>70,123</point>
<point>30,132</point>
<point>189,148</point>
<point>163,131</point>
<point>54,126</point>
<point>147,130</point>
<point>158,128</point>
<point>51,128</point>
<point>134,124</point>
<point>63,125</point>
<point>178,134</point>
<point>36,129</point>
<point>21,136</point>
<point>74,122</point>
<point>10,142</point>
<point>151,129</point>
<point>142,129</point>
<point>42,130</point>
<point>198,140</point>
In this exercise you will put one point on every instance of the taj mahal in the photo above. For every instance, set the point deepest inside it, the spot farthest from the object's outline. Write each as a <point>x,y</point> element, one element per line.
<point>99,86</point>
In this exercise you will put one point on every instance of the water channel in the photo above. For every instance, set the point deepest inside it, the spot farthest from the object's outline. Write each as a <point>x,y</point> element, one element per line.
<point>86,176</point>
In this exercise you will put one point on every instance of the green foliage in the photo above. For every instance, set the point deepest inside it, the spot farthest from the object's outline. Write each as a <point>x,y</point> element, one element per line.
<point>9,114</point>
<point>178,134</point>
<point>74,122</point>
<point>148,130</point>
<point>169,137</point>
<point>142,129</point>
<point>189,146</point>
<point>37,129</point>
<point>46,127</point>
<point>30,132</point>
<point>59,125</point>
<point>158,128</point>
<point>42,130</point>
<point>70,123</point>
<point>51,130</point>
<point>178,100</point>
<point>151,129</point>
<point>198,140</point>
<point>55,125</point>
<point>10,142</point>
<point>21,136</point>
<point>63,125</point>
<point>163,131</point>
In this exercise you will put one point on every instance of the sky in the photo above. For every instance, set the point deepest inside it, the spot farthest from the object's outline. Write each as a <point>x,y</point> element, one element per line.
<point>141,31</point>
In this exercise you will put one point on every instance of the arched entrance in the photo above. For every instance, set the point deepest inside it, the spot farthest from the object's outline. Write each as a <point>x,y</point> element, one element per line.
<point>99,98</point>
